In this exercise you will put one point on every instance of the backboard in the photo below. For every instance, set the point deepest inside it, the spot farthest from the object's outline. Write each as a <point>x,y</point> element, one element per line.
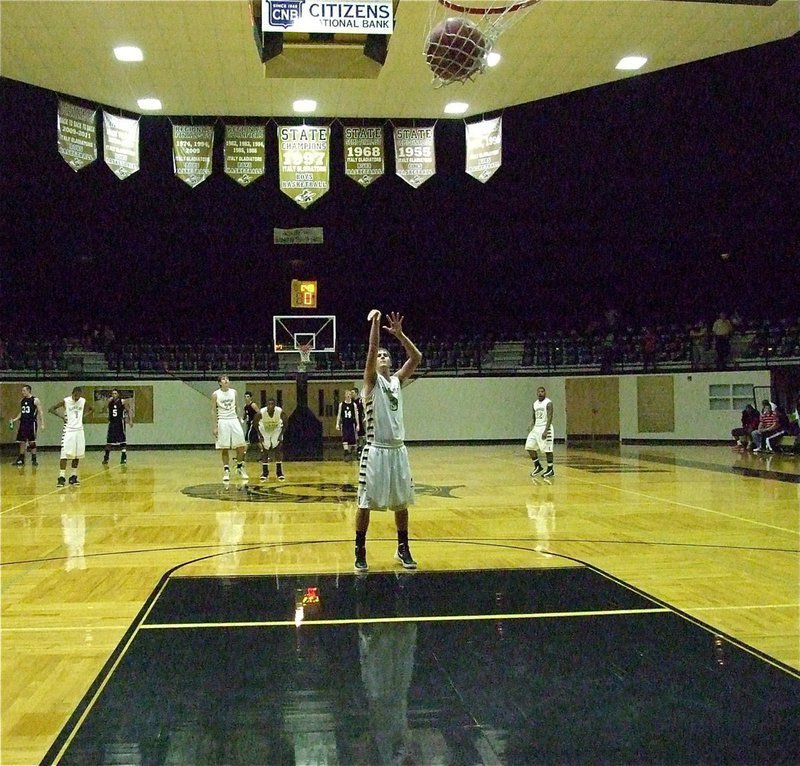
<point>291,332</point>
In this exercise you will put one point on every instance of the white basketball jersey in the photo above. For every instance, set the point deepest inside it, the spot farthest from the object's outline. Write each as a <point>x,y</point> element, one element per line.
<point>540,412</point>
<point>272,422</point>
<point>74,413</point>
<point>226,404</point>
<point>384,413</point>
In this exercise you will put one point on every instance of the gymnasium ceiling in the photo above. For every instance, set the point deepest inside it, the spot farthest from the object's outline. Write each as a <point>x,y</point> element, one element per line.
<point>201,58</point>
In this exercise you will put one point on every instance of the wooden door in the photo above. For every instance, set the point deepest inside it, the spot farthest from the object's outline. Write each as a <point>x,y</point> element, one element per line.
<point>592,408</point>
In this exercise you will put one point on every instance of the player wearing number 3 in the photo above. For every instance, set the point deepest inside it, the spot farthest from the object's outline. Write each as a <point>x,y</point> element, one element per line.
<point>384,476</point>
<point>540,438</point>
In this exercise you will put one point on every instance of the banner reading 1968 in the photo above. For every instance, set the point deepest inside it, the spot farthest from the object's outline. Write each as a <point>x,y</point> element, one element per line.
<point>363,154</point>
<point>244,152</point>
<point>303,162</point>
<point>484,148</point>
<point>414,155</point>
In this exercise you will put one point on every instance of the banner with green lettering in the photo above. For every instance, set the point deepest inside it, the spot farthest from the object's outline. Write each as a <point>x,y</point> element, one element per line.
<point>304,162</point>
<point>245,152</point>
<point>192,152</point>
<point>364,153</point>
<point>414,155</point>
<point>77,135</point>
<point>121,145</point>
<point>484,148</point>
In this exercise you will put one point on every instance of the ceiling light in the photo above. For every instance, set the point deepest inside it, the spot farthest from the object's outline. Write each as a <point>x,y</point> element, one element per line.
<point>456,107</point>
<point>631,62</point>
<point>128,53</point>
<point>304,105</point>
<point>149,104</point>
<point>493,59</point>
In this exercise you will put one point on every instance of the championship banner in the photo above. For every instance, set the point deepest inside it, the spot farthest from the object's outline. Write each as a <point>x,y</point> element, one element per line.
<point>192,150</point>
<point>121,145</point>
<point>245,150</point>
<point>77,135</point>
<point>356,17</point>
<point>414,155</point>
<point>304,162</point>
<point>308,235</point>
<point>484,148</point>
<point>363,154</point>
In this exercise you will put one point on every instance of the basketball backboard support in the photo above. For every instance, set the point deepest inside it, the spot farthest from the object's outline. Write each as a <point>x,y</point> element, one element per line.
<point>316,333</point>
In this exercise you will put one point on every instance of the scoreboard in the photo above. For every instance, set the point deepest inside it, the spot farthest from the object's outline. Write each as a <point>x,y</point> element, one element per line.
<point>304,294</point>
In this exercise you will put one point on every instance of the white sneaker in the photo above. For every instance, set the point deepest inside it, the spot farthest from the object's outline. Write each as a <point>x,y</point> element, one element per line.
<point>241,473</point>
<point>226,474</point>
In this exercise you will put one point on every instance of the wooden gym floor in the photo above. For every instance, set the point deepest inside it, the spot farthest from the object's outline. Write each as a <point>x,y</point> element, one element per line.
<point>638,558</point>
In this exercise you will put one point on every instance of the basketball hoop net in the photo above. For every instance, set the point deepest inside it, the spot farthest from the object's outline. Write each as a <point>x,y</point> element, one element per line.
<point>461,35</point>
<point>305,357</point>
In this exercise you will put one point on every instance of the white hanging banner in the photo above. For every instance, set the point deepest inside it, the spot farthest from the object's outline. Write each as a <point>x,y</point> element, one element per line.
<point>77,135</point>
<point>414,155</point>
<point>245,152</point>
<point>364,153</point>
<point>484,148</point>
<point>192,152</point>
<point>304,162</point>
<point>121,145</point>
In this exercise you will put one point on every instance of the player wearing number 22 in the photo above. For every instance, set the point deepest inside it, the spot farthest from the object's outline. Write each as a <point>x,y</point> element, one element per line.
<point>540,438</point>
<point>384,479</point>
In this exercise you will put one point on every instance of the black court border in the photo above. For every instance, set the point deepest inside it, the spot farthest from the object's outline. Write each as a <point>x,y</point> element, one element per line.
<point>56,750</point>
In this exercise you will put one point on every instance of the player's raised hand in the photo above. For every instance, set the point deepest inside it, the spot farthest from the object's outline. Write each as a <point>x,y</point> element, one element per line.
<point>395,326</point>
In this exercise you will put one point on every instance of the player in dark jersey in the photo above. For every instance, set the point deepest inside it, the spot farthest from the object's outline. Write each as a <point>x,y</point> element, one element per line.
<point>252,414</point>
<point>361,431</point>
<point>347,422</point>
<point>119,415</point>
<point>30,421</point>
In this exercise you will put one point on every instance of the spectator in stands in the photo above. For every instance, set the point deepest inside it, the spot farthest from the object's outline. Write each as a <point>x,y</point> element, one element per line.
<point>698,336</point>
<point>750,421</point>
<point>649,348</point>
<point>722,330</point>
<point>767,426</point>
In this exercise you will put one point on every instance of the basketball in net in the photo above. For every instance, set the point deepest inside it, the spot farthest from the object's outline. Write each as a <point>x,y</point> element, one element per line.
<point>456,49</point>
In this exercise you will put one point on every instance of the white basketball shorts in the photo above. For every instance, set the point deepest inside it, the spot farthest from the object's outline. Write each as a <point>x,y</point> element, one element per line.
<point>230,434</point>
<point>271,438</point>
<point>539,441</point>
<point>384,479</point>
<point>73,445</point>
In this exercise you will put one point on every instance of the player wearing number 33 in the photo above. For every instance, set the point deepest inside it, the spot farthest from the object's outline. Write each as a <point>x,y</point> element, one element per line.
<point>540,438</point>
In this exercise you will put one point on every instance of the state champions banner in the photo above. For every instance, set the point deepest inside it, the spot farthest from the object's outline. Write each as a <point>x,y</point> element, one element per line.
<point>245,152</point>
<point>77,135</point>
<point>484,148</point>
<point>192,151</point>
<point>121,145</point>
<point>304,162</point>
<point>364,154</point>
<point>414,155</point>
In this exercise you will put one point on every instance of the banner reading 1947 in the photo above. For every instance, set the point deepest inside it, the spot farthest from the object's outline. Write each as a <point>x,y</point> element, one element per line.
<point>77,135</point>
<point>484,148</point>
<point>414,155</point>
<point>304,162</point>
<point>244,152</point>
<point>192,150</point>
<point>363,154</point>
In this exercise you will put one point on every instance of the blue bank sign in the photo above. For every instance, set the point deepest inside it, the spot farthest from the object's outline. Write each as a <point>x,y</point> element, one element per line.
<point>357,17</point>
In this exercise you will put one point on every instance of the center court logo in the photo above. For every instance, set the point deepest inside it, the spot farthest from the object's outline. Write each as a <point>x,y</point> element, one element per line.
<point>317,492</point>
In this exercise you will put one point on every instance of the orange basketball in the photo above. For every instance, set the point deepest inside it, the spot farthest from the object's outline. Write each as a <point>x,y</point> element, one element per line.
<point>456,49</point>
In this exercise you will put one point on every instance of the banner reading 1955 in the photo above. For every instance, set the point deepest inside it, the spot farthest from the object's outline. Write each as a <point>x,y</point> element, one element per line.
<point>355,17</point>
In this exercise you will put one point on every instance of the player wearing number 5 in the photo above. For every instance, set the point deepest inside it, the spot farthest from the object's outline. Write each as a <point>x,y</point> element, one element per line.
<point>540,438</point>
<point>384,475</point>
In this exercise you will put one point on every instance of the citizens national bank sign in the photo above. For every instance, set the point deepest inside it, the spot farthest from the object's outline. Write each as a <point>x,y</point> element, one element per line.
<point>357,17</point>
